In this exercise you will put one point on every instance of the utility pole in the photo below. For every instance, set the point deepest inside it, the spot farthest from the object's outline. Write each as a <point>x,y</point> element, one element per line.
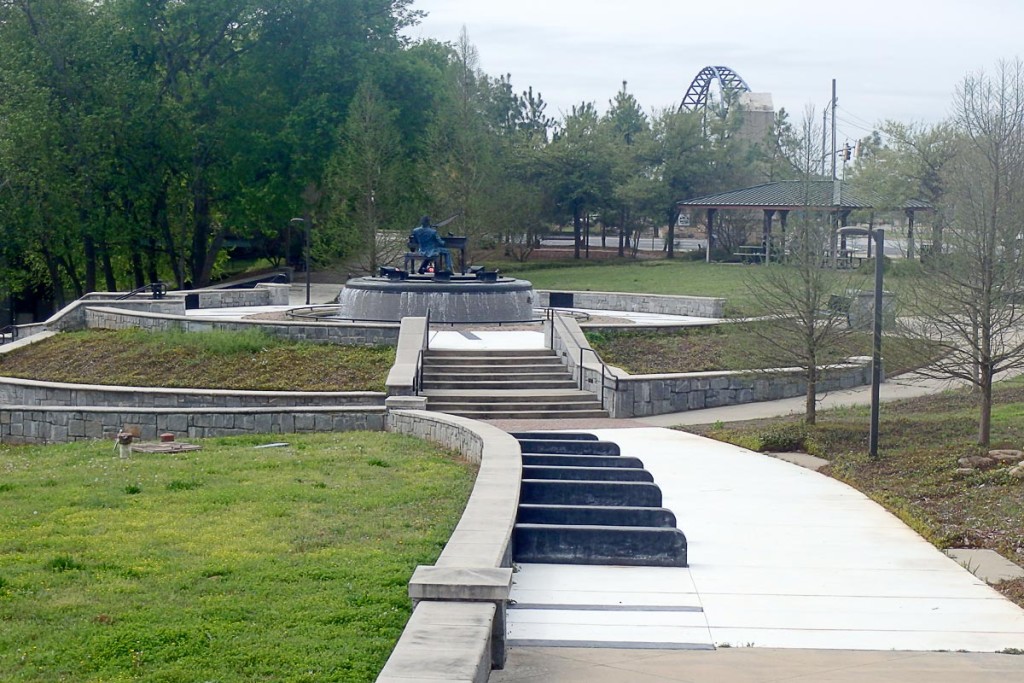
<point>833,129</point>
<point>824,131</point>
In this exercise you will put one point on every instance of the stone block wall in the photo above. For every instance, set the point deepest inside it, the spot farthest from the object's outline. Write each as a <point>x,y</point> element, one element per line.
<point>264,294</point>
<point>75,315</point>
<point>14,391</point>
<point>56,424</point>
<point>642,395</point>
<point>626,395</point>
<point>699,306</point>
<point>355,334</point>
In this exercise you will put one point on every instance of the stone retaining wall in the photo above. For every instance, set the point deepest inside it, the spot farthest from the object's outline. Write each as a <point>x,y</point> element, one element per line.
<point>698,306</point>
<point>641,395</point>
<point>60,424</point>
<point>626,395</point>
<point>353,334</point>
<point>15,391</point>
<point>460,602</point>
<point>263,294</point>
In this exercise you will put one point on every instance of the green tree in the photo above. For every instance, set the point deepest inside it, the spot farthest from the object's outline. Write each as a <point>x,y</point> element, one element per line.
<point>365,182</point>
<point>577,169</point>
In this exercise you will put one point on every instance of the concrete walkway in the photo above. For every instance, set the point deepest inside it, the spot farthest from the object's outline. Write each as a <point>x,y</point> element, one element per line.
<point>792,576</point>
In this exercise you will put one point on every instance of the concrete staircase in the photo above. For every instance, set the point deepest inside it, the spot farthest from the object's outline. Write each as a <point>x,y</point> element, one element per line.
<point>504,384</point>
<point>581,502</point>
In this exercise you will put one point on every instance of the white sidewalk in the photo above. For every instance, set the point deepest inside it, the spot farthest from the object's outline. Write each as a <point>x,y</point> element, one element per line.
<point>780,557</point>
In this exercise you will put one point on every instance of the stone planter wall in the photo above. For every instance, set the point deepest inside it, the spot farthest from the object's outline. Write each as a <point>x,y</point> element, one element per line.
<point>27,392</point>
<point>366,334</point>
<point>699,306</point>
<point>60,424</point>
<point>628,395</point>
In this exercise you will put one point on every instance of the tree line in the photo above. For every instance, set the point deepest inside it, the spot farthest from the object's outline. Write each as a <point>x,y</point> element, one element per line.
<point>141,139</point>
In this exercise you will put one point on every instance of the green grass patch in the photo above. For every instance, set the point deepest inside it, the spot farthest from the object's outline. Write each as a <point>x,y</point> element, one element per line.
<point>250,360</point>
<point>679,277</point>
<point>915,475</point>
<point>286,564</point>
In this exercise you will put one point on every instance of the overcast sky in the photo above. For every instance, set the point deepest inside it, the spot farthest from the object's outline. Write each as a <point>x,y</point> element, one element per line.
<point>895,59</point>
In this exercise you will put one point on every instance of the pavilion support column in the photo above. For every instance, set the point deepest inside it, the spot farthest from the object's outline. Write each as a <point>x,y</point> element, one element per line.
<point>711,232</point>
<point>783,215</point>
<point>844,216</point>
<point>910,234</point>
<point>766,235</point>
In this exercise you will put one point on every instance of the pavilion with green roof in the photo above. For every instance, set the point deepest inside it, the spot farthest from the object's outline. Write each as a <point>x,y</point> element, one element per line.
<point>834,197</point>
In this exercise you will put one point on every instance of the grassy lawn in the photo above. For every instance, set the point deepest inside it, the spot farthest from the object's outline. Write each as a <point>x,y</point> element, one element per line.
<point>203,360</point>
<point>228,564</point>
<point>694,278</point>
<point>915,476</point>
<point>678,276</point>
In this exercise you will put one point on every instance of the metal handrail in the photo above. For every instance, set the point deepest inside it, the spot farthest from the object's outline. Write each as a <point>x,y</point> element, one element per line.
<point>11,330</point>
<point>418,377</point>
<point>604,372</point>
<point>159,291</point>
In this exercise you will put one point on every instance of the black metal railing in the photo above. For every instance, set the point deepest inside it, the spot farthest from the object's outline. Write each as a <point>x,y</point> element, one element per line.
<point>8,333</point>
<point>159,290</point>
<point>418,375</point>
<point>605,372</point>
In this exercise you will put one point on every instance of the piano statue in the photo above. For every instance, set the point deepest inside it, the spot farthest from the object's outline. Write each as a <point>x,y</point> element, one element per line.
<point>451,243</point>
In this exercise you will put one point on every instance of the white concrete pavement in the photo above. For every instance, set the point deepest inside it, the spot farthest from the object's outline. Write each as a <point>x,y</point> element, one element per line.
<point>780,557</point>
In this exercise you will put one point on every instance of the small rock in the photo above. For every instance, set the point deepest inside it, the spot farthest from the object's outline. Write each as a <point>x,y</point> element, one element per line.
<point>1017,472</point>
<point>978,462</point>
<point>1006,456</point>
<point>965,470</point>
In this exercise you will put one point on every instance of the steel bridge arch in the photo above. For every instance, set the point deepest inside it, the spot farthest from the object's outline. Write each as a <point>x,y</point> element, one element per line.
<point>696,97</point>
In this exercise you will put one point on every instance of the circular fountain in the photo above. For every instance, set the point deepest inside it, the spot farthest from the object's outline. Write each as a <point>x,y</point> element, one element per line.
<point>454,299</point>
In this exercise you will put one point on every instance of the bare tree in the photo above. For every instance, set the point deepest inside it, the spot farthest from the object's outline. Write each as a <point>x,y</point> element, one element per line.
<point>972,303</point>
<point>803,319</point>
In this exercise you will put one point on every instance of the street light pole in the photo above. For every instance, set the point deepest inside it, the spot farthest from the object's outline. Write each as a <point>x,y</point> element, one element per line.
<point>876,351</point>
<point>306,226</point>
<point>878,235</point>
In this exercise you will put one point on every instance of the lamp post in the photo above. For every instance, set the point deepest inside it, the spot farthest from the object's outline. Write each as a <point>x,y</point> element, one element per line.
<point>878,235</point>
<point>305,223</point>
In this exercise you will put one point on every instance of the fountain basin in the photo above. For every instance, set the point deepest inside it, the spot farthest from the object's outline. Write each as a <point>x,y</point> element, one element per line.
<point>462,299</point>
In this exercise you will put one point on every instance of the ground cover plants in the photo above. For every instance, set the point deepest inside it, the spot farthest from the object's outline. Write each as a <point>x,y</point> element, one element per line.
<point>727,347</point>
<point>233,563</point>
<point>915,476</point>
<point>251,360</point>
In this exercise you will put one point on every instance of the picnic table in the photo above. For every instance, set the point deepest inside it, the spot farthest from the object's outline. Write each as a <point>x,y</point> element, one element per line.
<point>750,253</point>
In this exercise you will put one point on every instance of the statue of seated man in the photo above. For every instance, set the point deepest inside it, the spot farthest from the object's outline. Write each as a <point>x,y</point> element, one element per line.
<point>431,246</point>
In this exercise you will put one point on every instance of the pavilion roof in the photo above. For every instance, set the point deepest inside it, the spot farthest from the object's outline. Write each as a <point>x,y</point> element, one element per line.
<point>798,194</point>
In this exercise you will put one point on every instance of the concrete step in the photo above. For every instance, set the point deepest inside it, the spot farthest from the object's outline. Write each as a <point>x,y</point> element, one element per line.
<point>503,413</point>
<point>602,515</point>
<point>567,436</point>
<point>566,447</point>
<point>497,384</point>
<point>563,473</point>
<point>470,361</point>
<point>567,395</point>
<point>512,374</point>
<point>555,492</point>
<point>442,406</point>
<point>489,353</point>
<point>558,460</point>
<point>593,544</point>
